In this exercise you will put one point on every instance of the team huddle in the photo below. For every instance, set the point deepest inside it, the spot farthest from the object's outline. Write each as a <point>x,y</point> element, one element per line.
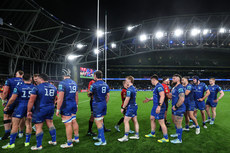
<point>26,104</point>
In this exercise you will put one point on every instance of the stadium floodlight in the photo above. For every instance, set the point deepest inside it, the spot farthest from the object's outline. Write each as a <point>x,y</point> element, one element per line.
<point>80,46</point>
<point>72,57</point>
<point>206,31</point>
<point>143,37</point>
<point>129,28</point>
<point>195,32</point>
<point>222,30</point>
<point>159,34</point>
<point>99,33</point>
<point>96,51</point>
<point>113,45</point>
<point>178,32</point>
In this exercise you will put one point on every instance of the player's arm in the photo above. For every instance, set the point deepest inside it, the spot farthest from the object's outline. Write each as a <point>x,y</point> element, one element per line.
<point>169,95</point>
<point>187,92</point>
<point>60,100</point>
<point>167,92</point>
<point>221,95</point>
<point>76,98</point>
<point>147,99</point>
<point>107,97</point>
<point>161,101</point>
<point>12,99</point>
<point>206,95</point>
<point>30,105</point>
<point>126,102</point>
<point>5,92</point>
<point>180,100</point>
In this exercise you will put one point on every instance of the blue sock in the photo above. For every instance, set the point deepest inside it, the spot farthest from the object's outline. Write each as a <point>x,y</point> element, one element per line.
<point>76,137</point>
<point>21,131</point>
<point>179,132</point>
<point>187,126</point>
<point>213,119</point>
<point>166,136</point>
<point>28,135</point>
<point>209,118</point>
<point>137,133</point>
<point>126,133</point>
<point>7,131</point>
<point>152,132</point>
<point>13,137</point>
<point>203,123</point>
<point>52,131</point>
<point>39,138</point>
<point>69,142</point>
<point>197,126</point>
<point>101,133</point>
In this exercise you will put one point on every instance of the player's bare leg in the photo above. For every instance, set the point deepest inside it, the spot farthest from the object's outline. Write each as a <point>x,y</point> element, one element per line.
<point>52,131</point>
<point>136,125</point>
<point>179,130</point>
<point>39,136</point>
<point>213,115</point>
<point>193,118</point>
<point>164,131</point>
<point>7,126</point>
<point>101,136</point>
<point>207,108</point>
<point>203,118</point>
<point>76,130</point>
<point>127,128</point>
<point>186,114</point>
<point>21,127</point>
<point>28,131</point>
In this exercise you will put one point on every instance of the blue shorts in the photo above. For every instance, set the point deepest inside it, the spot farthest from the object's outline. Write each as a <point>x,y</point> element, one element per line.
<point>131,110</point>
<point>180,111</point>
<point>69,110</point>
<point>159,116</point>
<point>211,103</point>
<point>20,111</point>
<point>42,115</point>
<point>99,109</point>
<point>190,106</point>
<point>200,105</point>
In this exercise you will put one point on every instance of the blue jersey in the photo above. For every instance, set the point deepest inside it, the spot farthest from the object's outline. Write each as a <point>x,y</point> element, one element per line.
<point>189,97</point>
<point>23,91</point>
<point>156,94</point>
<point>213,92</point>
<point>99,90</point>
<point>12,83</point>
<point>199,90</point>
<point>46,94</point>
<point>131,92</point>
<point>175,94</point>
<point>69,87</point>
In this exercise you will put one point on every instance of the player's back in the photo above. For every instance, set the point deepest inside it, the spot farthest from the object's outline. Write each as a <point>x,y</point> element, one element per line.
<point>213,92</point>
<point>12,83</point>
<point>132,92</point>
<point>23,91</point>
<point>46,94</point>
<point>70,89</point>
<point>175,94</point>
<point>99,90</point>
<point>156,96</point>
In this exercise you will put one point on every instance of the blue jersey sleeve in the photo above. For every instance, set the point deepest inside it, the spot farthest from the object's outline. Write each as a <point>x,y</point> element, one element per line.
<point>16,91</point>
<point>128,93</point>
<point>61,87</point>
<point>180,90</point>
<point>34,91</point>
<point>189,87</point>
<point>219,88</point>
<point>160,89</point>
<point>107,89</point>
<point>205,87</point>
<point>7,83</point>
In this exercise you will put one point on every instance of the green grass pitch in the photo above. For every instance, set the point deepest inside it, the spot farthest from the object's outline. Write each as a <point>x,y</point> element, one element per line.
<point>214,139</point>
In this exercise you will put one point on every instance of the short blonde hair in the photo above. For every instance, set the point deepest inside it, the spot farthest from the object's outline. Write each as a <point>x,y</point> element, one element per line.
<point>131,78</point>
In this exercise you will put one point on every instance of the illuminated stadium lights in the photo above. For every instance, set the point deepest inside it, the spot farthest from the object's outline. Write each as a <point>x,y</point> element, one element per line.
<point>178,32</point>
<point>222,30</point>
<point>80,46</point>
<point>195,32</point>
<point>129,28</point>
<point>113,45</point>
<point>143,37</point>
<point>72,57</point>
<point>159,34</point>
<point>99,33</point>
<point>206,31</point>
<point>96,51</point>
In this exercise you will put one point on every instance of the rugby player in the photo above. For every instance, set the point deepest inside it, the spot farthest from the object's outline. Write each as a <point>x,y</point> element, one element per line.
<point>190,105</point>
<point>131,112</point>
<point>199,89</point>
<point>43,97</point>
<point>67,105</point>
<point>158,110</point>
<point>22,94</point>
<point>178,107</point>
<point>123,96</point>
<point>213,100</point>
<point>100,92</point>
<point>10,84</point>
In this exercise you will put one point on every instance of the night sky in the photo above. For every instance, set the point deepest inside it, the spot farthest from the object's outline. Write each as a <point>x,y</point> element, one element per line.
<point>82,13</point>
